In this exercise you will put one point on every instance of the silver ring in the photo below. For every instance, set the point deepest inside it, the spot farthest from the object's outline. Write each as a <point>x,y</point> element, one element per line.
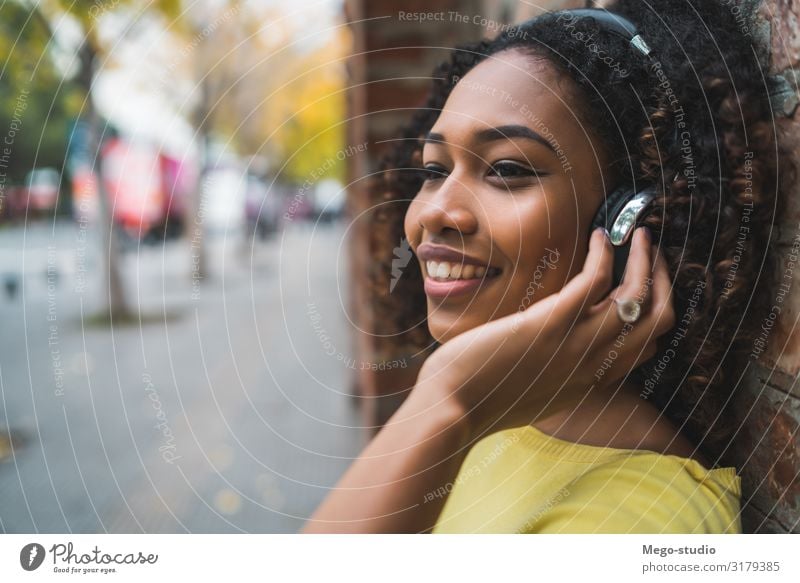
<point>628,311</point>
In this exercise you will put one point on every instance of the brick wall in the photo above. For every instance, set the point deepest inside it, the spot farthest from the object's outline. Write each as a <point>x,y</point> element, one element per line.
<point>388,74</point>
<point>768,450</point>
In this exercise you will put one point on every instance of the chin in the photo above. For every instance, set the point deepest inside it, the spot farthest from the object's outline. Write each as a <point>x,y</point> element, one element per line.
<point>443,330</point>
<point>443,326</point>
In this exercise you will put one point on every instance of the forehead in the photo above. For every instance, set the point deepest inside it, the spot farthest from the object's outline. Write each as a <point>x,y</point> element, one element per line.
<point>513,88</point>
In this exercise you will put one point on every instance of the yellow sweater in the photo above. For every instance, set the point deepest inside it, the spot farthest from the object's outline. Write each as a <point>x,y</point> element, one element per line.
<point>525,481</point>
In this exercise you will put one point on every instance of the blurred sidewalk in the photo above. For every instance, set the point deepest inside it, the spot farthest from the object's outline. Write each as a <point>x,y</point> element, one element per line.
<point>225,411</point>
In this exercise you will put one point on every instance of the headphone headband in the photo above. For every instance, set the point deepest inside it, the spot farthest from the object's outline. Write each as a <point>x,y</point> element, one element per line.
<point>623,207</point>
<point>615,24</point>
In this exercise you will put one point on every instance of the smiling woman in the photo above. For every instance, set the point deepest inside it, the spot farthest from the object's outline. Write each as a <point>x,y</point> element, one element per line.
<point>496,186</point>
<point>546,405</point>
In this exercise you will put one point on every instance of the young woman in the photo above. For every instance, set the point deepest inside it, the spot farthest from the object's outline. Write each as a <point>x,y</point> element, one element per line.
<point>555,401</point>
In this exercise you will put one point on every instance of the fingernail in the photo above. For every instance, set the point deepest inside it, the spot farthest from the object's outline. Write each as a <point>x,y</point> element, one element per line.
<point>606,234</point>
<point>648,234</point>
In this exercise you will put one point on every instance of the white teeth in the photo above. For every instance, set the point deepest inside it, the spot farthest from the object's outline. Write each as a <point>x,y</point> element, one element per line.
<point>448,270</point>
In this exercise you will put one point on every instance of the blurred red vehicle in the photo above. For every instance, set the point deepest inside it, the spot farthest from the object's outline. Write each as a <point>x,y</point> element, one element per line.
<point>37,197</point>
<point>132,176</point>
<point>148,191</point>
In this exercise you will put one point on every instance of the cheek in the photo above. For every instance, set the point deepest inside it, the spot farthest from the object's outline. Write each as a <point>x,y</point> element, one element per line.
<point>411,226</point>
<point>545,246</point>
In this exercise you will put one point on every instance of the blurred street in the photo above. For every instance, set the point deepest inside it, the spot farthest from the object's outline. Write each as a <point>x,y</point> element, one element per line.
<point>218,409</point>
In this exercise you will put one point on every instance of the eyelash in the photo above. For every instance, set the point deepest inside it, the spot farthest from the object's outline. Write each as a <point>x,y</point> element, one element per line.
<point>435,172</point>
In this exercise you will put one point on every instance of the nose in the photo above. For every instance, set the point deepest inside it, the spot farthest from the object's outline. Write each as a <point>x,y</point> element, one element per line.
<point>448,206</point>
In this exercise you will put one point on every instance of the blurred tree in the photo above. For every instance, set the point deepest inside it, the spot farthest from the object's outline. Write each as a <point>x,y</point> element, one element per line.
<point>250,75</point>
<point>306,113</point>
<point>259,88</point>
<point>88,57</point>
<point>289,98</point>
<point>210,30</point>
<point>33,95</point>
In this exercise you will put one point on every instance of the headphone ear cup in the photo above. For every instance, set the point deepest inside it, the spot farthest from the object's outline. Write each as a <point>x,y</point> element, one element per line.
<point>621,253</point>
<point>611,207</point>
<point>606,216</point>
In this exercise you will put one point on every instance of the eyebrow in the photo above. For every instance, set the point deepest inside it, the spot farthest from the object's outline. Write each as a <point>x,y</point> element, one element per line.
<point>499,133</point>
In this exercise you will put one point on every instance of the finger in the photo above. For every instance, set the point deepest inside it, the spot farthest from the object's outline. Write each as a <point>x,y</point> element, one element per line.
<point>600,268</point>
<point>593,282</point>
<point>639,342</point>
<point>649,352</point>
<point>631,359</point>
<point>559,312</point>
<point>663,310</point>
<point>637,281</point>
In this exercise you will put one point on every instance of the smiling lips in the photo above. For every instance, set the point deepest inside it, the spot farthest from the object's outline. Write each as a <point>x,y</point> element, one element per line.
<point>449,270</point>
<point>452,273</point>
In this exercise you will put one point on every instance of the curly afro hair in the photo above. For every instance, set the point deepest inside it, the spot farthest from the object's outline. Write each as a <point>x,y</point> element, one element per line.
<point>698,124</point>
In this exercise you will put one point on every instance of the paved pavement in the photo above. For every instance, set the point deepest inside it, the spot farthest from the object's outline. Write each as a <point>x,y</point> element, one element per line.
<point>225,409</point>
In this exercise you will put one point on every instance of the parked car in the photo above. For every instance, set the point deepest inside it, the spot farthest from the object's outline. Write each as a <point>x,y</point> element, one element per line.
<point>37,196</point>
<point>42,189</point>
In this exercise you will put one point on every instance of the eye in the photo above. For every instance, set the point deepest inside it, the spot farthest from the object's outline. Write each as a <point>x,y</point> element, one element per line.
<point>508,170</point>
<point>433,172</point>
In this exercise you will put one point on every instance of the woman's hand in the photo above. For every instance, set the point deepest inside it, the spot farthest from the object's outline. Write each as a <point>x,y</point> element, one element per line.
<point>529,365</point>
<point>505,373</point>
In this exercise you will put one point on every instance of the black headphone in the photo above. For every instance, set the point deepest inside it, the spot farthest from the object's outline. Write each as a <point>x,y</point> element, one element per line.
<point>619,214</point>
<point>623,206</point>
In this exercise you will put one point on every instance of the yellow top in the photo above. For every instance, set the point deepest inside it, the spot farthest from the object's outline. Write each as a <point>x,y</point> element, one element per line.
<point>525,481</point>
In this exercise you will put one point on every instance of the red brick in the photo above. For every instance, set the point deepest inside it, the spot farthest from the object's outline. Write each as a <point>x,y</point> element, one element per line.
<point>784,19</point>
<point>767,450</point>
